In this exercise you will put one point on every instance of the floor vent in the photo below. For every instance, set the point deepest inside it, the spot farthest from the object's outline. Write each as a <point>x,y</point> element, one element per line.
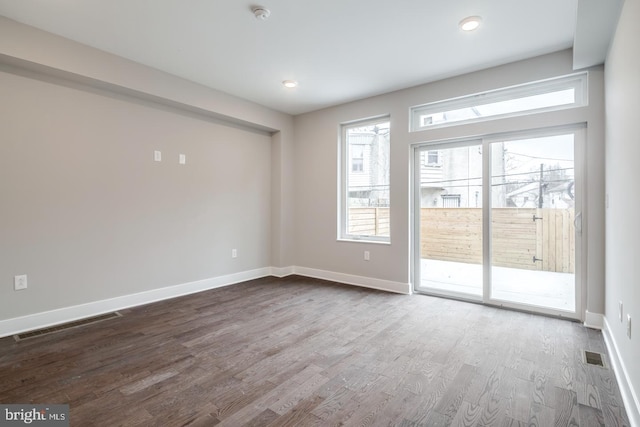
<point>593,358</point>
<point>46,331</point>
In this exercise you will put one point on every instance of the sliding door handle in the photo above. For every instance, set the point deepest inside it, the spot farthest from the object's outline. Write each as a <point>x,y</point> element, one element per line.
<point>577,222</point>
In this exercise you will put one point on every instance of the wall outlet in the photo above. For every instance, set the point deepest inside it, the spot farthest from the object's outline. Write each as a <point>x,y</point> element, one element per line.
<point>367,256</point>
<point>629,326</point>
<point>234,253</point>
<point>620,311</point>
<point>182,159</point>
<point>157,156</point>
<point>20,282</point>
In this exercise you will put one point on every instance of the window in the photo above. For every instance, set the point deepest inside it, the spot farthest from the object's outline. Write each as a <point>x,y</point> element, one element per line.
<point>431,158</point>
<point>547,95</point>
<point>357,157</point>
<point>357,164</point>
<point>451,200</point>
<point>364,198</point>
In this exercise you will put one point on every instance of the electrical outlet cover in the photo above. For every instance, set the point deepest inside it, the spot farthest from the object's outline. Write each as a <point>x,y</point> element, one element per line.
<point>20,282</point>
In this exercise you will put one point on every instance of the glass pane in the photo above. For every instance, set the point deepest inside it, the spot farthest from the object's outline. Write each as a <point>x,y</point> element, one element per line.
<point>529,98</point>
<point>526,103</point>
<point>451,221</point>
<point>367,185</point>
<point>532,220</point>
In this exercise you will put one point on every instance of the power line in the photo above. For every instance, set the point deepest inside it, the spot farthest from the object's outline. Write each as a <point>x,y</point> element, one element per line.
<point>539,158</point>
<point>496,176</point>
<point>509,183</point>
<point>553,181</point>
<point>532,172</point>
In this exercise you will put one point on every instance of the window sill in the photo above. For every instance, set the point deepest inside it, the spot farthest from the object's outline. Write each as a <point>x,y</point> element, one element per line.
<point>364,240</point>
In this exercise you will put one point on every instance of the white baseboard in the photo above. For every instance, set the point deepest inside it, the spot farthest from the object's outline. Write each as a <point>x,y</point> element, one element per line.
<point>629,396</point>
<point>69,314</point>
<point>282,271</point>
<point>348,279</point>
<point>593,320</point>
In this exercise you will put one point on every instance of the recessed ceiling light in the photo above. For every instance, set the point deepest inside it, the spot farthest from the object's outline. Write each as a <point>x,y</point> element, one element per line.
<point>290,83</point>
<point>471,23</point>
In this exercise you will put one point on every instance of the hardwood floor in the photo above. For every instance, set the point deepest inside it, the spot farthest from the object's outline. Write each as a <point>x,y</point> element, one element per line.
<point>304,352</point>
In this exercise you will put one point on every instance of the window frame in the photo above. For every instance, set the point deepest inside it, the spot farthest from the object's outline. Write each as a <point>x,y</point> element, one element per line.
<point>344,168</point>
<point>577,81</point>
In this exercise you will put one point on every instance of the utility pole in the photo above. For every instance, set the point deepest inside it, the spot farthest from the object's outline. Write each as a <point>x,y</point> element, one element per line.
<point>540,188</point>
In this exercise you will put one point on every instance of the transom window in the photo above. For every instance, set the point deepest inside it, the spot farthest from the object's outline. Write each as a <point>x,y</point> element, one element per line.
<point>546,95</point>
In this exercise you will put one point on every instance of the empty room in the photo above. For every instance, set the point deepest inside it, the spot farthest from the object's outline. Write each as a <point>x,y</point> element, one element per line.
<point>295,213</point>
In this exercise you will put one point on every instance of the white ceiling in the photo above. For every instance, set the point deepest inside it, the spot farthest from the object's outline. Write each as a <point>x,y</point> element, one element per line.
<point>338,50</point>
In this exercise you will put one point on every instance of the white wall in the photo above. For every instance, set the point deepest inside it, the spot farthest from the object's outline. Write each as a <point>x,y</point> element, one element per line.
<point>622,79</point>
<point>316,163</point>
<point>88,215</point>
<point>27,47</point>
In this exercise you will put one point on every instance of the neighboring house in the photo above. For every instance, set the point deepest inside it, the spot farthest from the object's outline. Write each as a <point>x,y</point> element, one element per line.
<point>369,167</point>
<point>559,195</point>
<point>452,178</point>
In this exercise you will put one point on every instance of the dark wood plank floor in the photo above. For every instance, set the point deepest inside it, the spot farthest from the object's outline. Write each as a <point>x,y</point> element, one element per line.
<point>303,352</point>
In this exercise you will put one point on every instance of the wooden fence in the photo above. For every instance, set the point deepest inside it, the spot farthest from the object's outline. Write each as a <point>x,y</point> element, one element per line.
<point>455,234</point>
<point>369,221</point>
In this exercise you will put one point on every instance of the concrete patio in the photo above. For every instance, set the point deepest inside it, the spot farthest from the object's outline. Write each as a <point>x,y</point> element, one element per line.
<point>530,287</point>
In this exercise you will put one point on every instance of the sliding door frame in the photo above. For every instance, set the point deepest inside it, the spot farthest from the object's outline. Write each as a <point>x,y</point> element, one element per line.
<point>579,131</point>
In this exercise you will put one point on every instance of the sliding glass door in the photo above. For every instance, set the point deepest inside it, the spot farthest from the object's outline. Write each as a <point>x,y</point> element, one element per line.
<point>499,220</point>
<point>450,205</point>
<point>533,221</point>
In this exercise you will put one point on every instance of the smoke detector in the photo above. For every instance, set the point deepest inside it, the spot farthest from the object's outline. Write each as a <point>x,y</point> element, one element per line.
<point>261,13</point>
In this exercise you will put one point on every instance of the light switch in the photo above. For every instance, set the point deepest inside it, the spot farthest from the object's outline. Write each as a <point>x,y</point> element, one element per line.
<point>157,156</point>
<point>182,159</point>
